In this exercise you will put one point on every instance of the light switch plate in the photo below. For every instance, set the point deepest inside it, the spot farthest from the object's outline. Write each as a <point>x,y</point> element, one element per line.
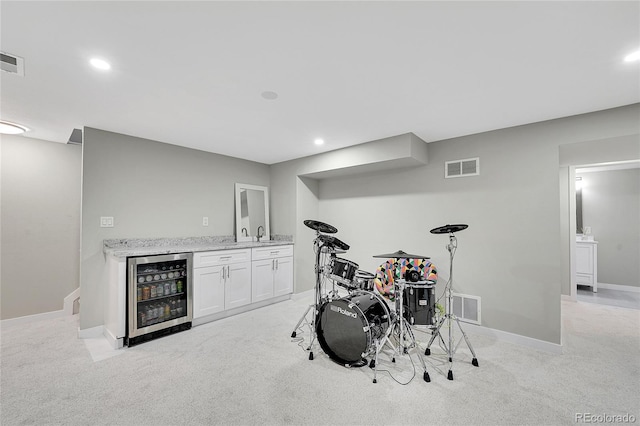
<point>106,222</point>
<point>205,221</point>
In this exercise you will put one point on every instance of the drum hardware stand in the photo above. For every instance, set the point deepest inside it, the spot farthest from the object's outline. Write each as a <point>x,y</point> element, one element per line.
<point>400,324</point>
<point>449,316</point>
<point>317,301</point>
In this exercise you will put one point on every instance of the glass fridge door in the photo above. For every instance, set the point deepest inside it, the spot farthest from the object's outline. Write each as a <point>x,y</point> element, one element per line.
<point>159,292</point>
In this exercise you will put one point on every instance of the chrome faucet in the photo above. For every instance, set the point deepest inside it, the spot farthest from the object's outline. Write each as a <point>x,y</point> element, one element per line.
<point>258,233</point>
<point>244,231</point>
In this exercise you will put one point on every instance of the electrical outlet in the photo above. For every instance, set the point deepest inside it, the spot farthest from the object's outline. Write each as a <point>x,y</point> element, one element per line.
<point>106,222</point>
<point>205,221</point>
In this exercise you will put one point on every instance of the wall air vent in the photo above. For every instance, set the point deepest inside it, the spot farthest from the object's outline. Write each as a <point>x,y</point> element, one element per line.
<point>462,168</point>
<point>11,64</point>
<point>466,308</point>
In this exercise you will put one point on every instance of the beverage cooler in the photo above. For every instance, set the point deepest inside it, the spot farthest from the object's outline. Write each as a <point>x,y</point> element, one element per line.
<point>159,296</point>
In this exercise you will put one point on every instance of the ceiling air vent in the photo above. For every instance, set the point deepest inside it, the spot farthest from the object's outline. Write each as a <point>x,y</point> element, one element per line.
<point>462,168</point>
<point>11,64</point>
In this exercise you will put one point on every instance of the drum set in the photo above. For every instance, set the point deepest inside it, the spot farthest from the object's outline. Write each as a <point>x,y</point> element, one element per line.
<point>354,329</point>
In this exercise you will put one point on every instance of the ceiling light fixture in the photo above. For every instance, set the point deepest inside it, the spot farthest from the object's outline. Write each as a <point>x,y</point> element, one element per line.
<point>319,141</point>
<point>269,95</point>
<point>9,128</point>
<point>632,57</point>
<point>100,64</point>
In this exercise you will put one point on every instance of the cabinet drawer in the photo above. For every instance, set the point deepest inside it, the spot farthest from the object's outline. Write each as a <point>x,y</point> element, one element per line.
<point>221,257</point>
<point>584,279</point>
<point>272,252</point>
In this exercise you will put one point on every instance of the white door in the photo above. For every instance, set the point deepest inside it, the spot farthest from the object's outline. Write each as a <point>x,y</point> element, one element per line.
<point>262,279</point>
<point>237,289</point>
<point>284,276</point>
<point>208,291</point>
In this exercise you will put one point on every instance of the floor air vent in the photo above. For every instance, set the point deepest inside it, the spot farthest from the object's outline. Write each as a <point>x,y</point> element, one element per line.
<point>462,168</point>
<point>466,307</point>
<point>11,64</point>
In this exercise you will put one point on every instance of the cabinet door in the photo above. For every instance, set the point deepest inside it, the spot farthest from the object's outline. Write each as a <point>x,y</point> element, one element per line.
<point>237,289</point>
<point>208,291</point>
<point>262,272</point>
<point>584,259</point>
<point>283,283</point>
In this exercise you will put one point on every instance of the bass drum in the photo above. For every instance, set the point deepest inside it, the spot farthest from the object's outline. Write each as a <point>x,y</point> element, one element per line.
<point>348,327</point>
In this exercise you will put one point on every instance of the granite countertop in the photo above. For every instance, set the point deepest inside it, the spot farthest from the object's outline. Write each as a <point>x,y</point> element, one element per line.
<point>124,247</point>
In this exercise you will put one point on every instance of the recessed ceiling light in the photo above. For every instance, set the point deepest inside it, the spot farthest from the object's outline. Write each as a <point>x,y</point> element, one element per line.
<point>269,95</point>
<point>632,57</point>
<point>319,141</point>
<point>100,64</point>
<point>9,128</point>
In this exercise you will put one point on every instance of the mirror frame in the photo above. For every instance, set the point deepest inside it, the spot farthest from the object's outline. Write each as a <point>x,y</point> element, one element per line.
<point>267,230</point>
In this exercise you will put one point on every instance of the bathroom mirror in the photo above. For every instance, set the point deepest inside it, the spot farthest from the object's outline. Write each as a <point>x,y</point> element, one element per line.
<point>252,212</point>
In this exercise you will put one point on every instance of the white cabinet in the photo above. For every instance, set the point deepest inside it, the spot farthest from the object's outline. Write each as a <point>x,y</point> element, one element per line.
<point>208,291</point>
<point>237,285</point>
<point>283,279</point>
<point>222,281</point>
<point>272,272</point>
<point>587,264</point>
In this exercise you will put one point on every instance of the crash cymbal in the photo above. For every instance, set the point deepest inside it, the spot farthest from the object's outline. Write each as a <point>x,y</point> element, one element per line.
<point>320,226</point>
<point>448,229</point>
<point>401,255</point>
<point>331,241</point>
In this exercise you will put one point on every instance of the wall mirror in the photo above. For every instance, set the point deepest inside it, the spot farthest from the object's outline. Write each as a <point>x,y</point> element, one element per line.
<point>252,212</point>
<point>578,205</point>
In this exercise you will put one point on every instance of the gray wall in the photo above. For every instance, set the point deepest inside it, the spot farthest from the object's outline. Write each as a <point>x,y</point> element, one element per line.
<point>512,253</point>
<point>40,211</point>
<point>611,207</point>
<point>152,190</point>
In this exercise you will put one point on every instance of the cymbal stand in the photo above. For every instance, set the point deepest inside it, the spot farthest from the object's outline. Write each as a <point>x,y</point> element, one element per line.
<point>450,317</point>
<point>317,302</point>
<point>401,326</point>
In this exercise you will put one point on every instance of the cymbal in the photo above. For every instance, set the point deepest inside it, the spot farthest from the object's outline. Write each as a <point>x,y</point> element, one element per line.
<point>320,226</point>
<point>448,229</point>
<point>401,255</point>
<point>333,242</point>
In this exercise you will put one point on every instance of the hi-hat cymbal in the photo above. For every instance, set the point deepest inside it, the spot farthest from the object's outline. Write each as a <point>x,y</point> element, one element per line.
<point>401,255</point>
<point>448,229</point>
<point>330,241</point>
<point>320,226</point>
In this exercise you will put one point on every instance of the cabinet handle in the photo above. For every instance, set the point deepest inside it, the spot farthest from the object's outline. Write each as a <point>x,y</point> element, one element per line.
<point>229,272</point>
<point>276,264</point>
<point>273,263</point>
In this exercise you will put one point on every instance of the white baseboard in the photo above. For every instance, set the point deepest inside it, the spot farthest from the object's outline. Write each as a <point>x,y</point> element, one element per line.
<point>67,309</point>
<point>89,333</point>
<point>502,336</point>
<point>114,342</point>
<point>308,294</point>
<point>505,336</point>
<point>619,287</point>
<point>242,309</point>
<point>30,318</point>
<point>68,301</point>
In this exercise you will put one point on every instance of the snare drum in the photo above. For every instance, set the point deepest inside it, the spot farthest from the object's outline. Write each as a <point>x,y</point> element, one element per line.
<point>419,307</point>
<point>363,281</point>
<point>343,271</point>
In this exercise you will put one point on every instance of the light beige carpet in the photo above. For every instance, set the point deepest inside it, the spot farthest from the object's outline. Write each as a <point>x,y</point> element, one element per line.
<point>246,370</point>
